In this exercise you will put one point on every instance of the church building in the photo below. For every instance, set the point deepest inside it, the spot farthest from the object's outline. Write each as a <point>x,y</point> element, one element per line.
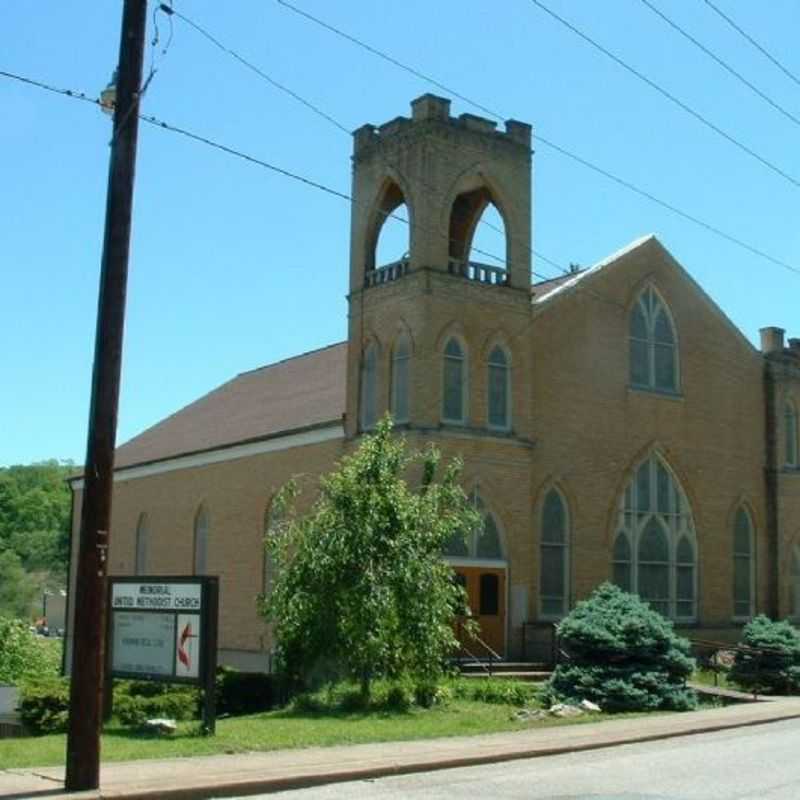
<point>614,424</point>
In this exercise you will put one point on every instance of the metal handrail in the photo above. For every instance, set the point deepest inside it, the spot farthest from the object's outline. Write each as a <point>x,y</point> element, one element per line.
<point>474,636</point>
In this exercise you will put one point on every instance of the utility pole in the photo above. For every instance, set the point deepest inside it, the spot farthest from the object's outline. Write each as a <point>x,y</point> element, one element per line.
<point>89,629</point>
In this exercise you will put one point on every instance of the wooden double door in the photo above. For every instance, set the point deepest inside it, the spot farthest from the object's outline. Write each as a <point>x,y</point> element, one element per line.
<point>486,596</point>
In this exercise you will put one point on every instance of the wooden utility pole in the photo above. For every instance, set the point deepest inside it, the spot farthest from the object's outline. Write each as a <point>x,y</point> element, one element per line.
<point>89,628</point>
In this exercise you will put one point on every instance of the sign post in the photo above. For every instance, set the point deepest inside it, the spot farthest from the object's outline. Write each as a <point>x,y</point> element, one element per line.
<point>165,629</point>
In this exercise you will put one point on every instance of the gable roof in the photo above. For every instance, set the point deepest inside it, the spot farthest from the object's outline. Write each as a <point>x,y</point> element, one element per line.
<point>299,393</point>
<point>563,287</point>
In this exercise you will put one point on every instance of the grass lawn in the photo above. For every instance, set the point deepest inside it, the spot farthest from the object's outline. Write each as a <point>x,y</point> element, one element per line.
<point>287,728</point>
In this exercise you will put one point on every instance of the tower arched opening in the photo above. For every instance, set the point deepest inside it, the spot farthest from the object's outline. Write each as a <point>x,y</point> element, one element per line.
<point>478,246</point>
<point>389,237</point>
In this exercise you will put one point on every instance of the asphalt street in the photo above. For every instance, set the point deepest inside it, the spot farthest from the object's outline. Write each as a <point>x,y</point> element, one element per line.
<point>756,763</point>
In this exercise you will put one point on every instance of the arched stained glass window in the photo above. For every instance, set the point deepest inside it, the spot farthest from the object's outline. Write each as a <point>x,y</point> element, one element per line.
<point>622,561</point>
<point>369,387</point>
<point>272,521</point>
<point>455,379</point>
<point>485,542</point>
<point>743,566</point>
<point>201,526</point>
<point>499,386</point>
<point>401,356</point>
<point>654,551</point>
<point>653,344</point>
<point>554,557</point>
<point>140,555</point>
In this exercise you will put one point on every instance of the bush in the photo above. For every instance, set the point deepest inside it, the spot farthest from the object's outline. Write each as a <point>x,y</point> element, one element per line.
<point>137,701</point>
<point>44,705</point>
<point>246,692</point>
<point>23,654</point>
<point>496,691</point>
<point>773,672</point>
<point>622,655</point>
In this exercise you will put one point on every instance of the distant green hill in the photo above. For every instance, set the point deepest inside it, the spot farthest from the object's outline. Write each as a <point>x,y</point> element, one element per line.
<point>34,530</point>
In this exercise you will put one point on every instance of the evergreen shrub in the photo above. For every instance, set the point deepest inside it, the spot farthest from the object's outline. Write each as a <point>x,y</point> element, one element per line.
<point>622,655</point>
<point>44,705</point>
<point>776,670</point>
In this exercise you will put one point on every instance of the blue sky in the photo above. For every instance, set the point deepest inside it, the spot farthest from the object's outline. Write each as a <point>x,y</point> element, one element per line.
<point>233,267</point>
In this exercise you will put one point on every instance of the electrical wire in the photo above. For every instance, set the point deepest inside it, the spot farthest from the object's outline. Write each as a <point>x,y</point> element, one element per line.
<point>341,127</point>
<point>671,97</point>
<point>644,193</point>
<point>724,64</point>
<point>752,41</point>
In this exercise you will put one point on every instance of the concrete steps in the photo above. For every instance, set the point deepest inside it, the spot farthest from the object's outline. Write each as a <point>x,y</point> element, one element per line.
<point>513,670</point>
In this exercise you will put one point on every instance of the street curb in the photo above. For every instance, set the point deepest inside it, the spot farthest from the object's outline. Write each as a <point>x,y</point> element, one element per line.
<point>271,785</point>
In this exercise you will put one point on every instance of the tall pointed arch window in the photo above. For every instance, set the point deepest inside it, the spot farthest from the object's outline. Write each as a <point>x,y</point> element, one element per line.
<point>484,542</point>
<point>201,526</point>
<point>795,584</point>
<point>401,356</point>
<point>654,553</point>
<point>743,566</point>
<point>273,517</point>
<point>790,434</point>
<point>454,401</point>
<point>554,557</point>
<point>499,388</point>
<point>369,387</point>
<point>653,344</point>
<point>140,553</point>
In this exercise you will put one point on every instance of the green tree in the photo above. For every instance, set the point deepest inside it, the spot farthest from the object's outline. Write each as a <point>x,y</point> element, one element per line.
<point>361,582</point>
<point>622,655</point>
<point>35,514</point>
<point>16,587</point>
<point>773,667</point>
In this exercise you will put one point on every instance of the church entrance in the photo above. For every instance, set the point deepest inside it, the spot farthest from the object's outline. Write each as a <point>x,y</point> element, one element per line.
<point>486,598</point>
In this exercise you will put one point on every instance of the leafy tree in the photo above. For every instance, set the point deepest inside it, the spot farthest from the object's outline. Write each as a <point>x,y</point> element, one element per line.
<point>361,582</point>
<point>776,668</point>
<point>34,514</point>
<point>24,655</point>
<point>622,655</point>
<point>16,587</point>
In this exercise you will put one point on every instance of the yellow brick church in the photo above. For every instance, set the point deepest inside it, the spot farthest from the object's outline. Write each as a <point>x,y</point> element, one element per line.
<point>613,423</point>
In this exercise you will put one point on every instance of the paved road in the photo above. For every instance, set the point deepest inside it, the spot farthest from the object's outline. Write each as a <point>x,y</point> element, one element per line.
<point>757,763</point>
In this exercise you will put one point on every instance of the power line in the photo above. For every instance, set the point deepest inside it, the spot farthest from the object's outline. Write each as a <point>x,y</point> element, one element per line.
<point>249,65</point>
<point>547,142</point>
<point>333,121</point>
<point>665,93</point>
<point>752,41</point>
<point>724,64</point>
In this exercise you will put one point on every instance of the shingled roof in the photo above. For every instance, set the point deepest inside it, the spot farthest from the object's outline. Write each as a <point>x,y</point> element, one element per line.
<point>295,394</point>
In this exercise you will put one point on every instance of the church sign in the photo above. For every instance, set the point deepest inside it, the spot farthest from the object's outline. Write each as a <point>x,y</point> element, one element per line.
<point>165,629</point>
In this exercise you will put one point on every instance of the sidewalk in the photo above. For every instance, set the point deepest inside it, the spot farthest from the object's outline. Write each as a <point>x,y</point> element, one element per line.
<point>251,773</point>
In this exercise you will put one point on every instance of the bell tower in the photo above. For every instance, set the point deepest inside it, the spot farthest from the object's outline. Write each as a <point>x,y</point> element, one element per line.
<point>446,170</point>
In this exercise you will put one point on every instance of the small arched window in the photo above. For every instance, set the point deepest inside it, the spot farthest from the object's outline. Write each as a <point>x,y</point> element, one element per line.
<point>272,521</point>
<point>655,552</point>
<point>790,433</point>
<point>484,542</point>
<point>554,560</point>
<point>795,583</point>
<point>401,356</point>
<point>743,566</point>
<point>455,382</point>
<point>140,555</point>
<point>653,344</point>
<point>499,385</point>
<point>369,387</point>
<point>201,526</point>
